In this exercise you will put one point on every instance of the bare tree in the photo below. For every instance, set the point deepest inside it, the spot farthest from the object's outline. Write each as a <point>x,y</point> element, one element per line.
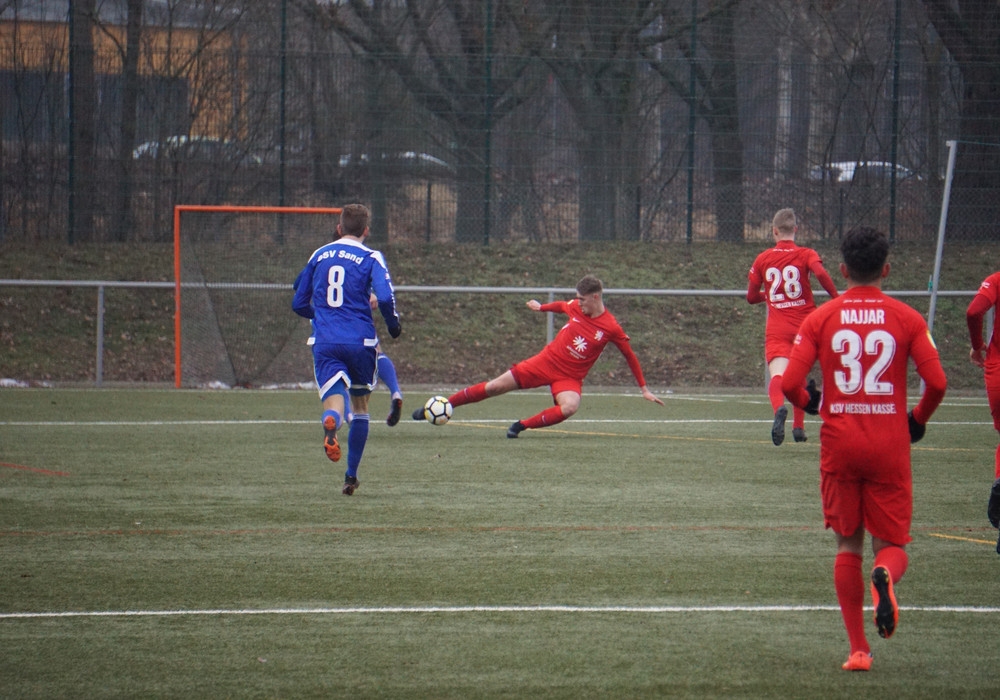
<point>721,112</point>
<point>443,53</point>
<point>592,48</point>
<point>123,221</point>
<point>970,29</point>
<point>712,58</point>
<point>83,109</point>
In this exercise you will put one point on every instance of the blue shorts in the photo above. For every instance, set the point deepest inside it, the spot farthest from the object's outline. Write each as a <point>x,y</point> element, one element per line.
<point>354,365</point>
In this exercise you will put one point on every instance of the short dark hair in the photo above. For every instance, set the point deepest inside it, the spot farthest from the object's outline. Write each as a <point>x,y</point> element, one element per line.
<point>865,250</point>
<point>354,220</point>
<point>589,285</point>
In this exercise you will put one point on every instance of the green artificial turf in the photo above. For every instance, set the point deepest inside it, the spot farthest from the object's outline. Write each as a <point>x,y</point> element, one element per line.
<point>196,544</point>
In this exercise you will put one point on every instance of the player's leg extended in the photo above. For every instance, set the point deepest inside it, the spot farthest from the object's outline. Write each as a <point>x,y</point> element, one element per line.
<point>477,392</point>
<point>332,379</point>
<point>891,562</point>
<point>888,514</point>
<point>357,438</point>
<point>484,390</point>
<point>387,373</point>
<point>334,413</point>
<point>776,368</point>
<point>361,363</point>
<point>567,400</point>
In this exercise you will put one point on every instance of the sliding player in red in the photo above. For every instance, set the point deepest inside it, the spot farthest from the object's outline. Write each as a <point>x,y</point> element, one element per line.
<point>564,363</point>
<point>863,341</point>
<point>780,276</point>
<point>988,358</point>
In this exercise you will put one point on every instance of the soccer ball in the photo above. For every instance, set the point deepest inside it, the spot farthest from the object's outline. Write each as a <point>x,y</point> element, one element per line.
<point>437,410</point>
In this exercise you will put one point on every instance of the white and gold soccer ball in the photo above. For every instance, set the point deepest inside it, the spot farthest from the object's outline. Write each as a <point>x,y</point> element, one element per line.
<point>438,410</point>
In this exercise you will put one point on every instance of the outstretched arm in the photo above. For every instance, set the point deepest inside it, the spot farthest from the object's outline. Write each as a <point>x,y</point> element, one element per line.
<point>636,368</point>
<point>650,396</point>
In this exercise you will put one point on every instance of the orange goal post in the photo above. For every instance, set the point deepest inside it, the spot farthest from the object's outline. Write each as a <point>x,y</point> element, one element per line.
<point>233,272</point>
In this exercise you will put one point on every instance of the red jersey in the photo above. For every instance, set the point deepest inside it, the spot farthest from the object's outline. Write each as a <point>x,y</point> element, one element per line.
<point>988,297</point>
<point>784,272</point>
<point>863,341</point>
<point>581,341</point>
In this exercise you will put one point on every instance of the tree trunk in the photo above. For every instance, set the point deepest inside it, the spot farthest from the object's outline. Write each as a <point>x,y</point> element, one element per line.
<point>470,204</point>
<point>724,122</point>
<point>970,32</point>
<point>123,220</point>
<point>598,193</point>
<point>83,136</point>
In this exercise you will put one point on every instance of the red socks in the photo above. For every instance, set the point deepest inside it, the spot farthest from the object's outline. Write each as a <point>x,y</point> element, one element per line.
<point>477,392</point>
<point>895,560</point>
<point>550,416</point>
<point>775,394</point>
<point>470,394</point>
<point>849,583</point>
<point>777,398</point>
<point>798,417</point>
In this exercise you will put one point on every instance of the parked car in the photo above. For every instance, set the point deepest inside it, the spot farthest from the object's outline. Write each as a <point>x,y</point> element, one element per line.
<point>409,160</point>
<point>197,148</point>
<point>849,171</point>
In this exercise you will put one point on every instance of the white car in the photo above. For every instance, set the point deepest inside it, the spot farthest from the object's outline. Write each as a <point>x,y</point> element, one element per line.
<point>409,159</point>
<point>848,171</point>
<point>199,148</point>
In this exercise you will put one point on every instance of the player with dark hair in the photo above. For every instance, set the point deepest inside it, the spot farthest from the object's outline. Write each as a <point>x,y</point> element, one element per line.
<point>987,357</point>
<point>780,276</point>
<point>863,341</point>
<point>334,290</point>
<point>563,364</point>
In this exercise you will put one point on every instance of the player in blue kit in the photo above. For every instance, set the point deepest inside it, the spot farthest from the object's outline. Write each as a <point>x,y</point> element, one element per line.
<point>334,291</point>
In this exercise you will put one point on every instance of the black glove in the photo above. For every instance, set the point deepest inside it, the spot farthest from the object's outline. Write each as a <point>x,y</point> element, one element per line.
<point>395,330</point>
<point>916,430</point>
<point>812,408</point>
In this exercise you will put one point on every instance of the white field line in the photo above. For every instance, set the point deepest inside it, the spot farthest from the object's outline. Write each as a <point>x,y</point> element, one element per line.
<point>465,609</point>
<point>456,421</point>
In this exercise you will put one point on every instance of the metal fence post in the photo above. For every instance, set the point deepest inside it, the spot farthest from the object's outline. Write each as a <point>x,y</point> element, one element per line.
<point>100,335</point>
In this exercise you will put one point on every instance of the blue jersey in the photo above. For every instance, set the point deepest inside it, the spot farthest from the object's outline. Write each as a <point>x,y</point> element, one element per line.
<point>334,290</point>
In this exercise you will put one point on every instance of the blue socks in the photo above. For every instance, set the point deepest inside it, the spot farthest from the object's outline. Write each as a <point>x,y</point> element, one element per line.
<point>357,438</point>
<point>387,373</point>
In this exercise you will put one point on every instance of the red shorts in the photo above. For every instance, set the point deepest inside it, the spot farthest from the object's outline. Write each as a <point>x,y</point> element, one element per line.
<point>992,376</point>
<point>539,371</point>
<point>872,488</point>
<point>778,345</point>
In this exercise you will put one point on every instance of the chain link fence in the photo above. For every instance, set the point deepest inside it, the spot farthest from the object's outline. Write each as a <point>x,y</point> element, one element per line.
<point>491,126</point>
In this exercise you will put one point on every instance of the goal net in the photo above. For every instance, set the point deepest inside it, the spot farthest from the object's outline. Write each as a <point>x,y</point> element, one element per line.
<point>233,268</point>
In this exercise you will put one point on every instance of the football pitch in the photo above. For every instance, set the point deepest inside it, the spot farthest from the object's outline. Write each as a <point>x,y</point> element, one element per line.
<point>161,543</point>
